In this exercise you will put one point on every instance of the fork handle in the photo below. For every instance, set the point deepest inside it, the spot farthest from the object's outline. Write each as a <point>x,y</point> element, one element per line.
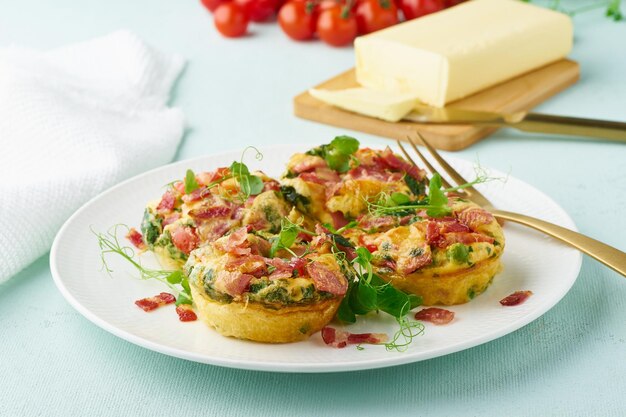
<point>608,255</point>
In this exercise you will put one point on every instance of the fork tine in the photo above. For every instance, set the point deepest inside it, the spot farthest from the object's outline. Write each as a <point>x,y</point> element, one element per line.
<point>456,177</point>
<point>473,193</point>
<point>428,165</point>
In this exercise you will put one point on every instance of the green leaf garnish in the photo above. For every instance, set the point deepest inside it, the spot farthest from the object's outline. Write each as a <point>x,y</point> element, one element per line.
<point>347,145</point>
<point>252,185</point>
<point>437,199</point>
<point>248,183</point>
<point>338,153</point>
<point>285,239</point>
<point>109,244</point>
<point>435,203</point>
<point>190,182</point>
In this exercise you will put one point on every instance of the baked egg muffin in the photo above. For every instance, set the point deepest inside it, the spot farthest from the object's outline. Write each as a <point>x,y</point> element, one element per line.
<point>335,193</point>
<point>242,292</point>
<point>183,220</point>
<point>447,260</point>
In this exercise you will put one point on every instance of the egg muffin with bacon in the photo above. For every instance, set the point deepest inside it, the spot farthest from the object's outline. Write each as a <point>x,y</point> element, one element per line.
<point>245,289</point>
<point>446,259</point>
<point>206,206</point>
<point>333,183</point>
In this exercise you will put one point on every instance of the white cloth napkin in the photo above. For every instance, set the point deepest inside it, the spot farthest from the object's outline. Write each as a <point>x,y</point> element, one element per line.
<point>74,121</point>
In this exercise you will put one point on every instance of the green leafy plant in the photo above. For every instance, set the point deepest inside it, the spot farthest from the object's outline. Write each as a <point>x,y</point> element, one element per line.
<point>338,153</point>
<point>287,237</point>
<point>370,293</point>
<point>109,244</point>
<point>435,203</point>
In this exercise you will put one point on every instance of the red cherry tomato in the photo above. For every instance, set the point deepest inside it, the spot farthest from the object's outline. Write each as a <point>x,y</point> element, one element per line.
<point>327,4</point>
<point>417,8</point>
<point>230,20</point>
<point>258,10</point>
<point>335,27</point>
<point>297,20</point>
<point>373,15</point>
<point>211,5</point>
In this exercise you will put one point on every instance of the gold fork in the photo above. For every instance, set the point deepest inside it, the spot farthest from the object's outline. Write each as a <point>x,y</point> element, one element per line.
<point>608,255</point>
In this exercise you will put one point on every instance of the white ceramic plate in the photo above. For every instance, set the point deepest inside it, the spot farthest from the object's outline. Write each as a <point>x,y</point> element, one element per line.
<point>531,262</point>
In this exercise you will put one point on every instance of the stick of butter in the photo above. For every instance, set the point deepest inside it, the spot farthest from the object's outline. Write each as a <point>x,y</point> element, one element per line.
<point>451,54</point>
<point>380,104</point>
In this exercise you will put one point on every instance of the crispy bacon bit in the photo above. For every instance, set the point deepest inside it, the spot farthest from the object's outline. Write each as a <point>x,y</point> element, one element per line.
<point>298,265</point>
<point>466,238</point>
<point>233,283</point>
<point>389,263</point>
<point>435,315</point>
<point>283,269</point>
<point>179,186</point>
<point>171,219</point>
<point>197,194</point>
<point>204,213</point>
<point>340,339</point>
<point>325,279</point>
<point>185,313</point>
<point>271,185</point>
<point>377,223</point>
<point>518,297</point>
<point>475,217</point>
<point>418,258</point>
<point>237,243</point>
<point>311,177</point>
<point>339,220</point>
<point>251,264</point>
<point>151,303</point>
<point>167,202</point>
<point>206,178</point>
<point>185,239</point>
<point>393,162</point>
<point>308,163</point>
<point>135,238</point>
<point>443,233</point>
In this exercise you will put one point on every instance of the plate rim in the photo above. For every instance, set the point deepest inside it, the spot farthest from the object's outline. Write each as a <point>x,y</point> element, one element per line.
<point>288,367</point>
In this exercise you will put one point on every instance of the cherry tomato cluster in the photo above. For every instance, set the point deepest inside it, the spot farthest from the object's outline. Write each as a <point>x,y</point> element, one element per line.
<point>336,22</point>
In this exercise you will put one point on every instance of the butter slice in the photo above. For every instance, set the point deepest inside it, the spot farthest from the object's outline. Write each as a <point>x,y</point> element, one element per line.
<point>454,53</point>
<point>380,104</point>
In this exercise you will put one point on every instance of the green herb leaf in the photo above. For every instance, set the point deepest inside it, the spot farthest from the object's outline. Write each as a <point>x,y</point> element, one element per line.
<point>175,277</point>
<point>366,298</point>
<point>239,168</point>
<point>338,152</point>
<point>183,299</point>
<point>190,182</point>
<point>437,199</point>
<point>417,188</point>
<point>345,313</point>
<point>346,145</point>
<point>400,198</point>
<point>109,244</point>
<point>251,185</point>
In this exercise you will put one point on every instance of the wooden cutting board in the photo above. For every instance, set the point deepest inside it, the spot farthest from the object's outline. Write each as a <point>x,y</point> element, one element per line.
<point>517,94</point>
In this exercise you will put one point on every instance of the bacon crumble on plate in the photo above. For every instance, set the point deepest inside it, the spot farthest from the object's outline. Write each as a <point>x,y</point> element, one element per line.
<point>152,303</point>
<point>435,315</point>
<point>341,339</point>
<point>517,298</point>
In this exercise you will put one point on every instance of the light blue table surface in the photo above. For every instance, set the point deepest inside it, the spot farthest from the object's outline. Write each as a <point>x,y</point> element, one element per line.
<point>569,362</point>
